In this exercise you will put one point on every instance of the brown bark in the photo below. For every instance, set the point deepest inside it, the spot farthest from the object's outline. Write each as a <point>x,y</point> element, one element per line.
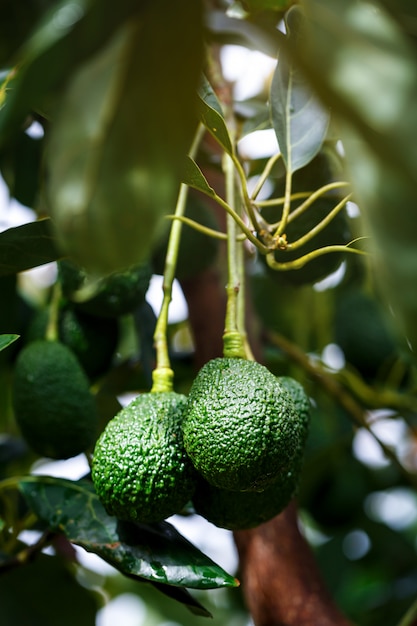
<point>281,583</point>
<point>206,310</point>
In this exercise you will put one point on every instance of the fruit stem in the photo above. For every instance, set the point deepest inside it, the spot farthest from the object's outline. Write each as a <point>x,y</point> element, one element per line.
<point>409,618</point>
<point>52,332</point>
<point>321,225</point>
<point>163,375</point>
<point>306,258</point>
<point>264,176</point>
<point>287,205</point>
<point>233,341</point>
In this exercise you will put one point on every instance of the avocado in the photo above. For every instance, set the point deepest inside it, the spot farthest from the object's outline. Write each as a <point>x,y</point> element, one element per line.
<point>140,469</point>
<point>52,402</point>
<point>241,428</point>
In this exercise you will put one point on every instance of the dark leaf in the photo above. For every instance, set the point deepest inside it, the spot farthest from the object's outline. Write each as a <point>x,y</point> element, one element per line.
<point>68,33</point>
<point>156,553</point>
<point>27,246</point>
<point>194,177</point>
<point>299,120</point>
<point>182,595</point>
<point>379,133</point>
<point>6,340</point>
<point>372,53</point>
<point>257,36</point>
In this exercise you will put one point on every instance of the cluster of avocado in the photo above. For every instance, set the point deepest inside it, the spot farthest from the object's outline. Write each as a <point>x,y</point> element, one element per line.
<point>233,447</point>
<point>52,400</point>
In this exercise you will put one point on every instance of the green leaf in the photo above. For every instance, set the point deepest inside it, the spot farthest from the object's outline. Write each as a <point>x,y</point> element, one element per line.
<point>70,32</point>
<point>156,553</point>
<point>261,36</point>
<point>353,51</point>
<point>180,594</point>
<point>194,177</point>
<point>27,246</point>
<point>211,116</point>
<point>6,340</point>
<point>116,149</point>
<point>299,120</point>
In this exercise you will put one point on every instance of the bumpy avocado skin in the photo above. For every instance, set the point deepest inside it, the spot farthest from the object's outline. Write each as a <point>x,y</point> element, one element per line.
<point>241,428</point>
<point>140,470</point>
<point>53,406</point>
<point>301,400</point>
<point>238,510</point>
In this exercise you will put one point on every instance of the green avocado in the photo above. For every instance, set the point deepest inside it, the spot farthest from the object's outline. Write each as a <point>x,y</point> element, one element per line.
<point>92,339</point>
<point>140,469</point>
<point>113,295</point>
<point>237,510</point>
<point>53,406</point>
<point>241,428</point>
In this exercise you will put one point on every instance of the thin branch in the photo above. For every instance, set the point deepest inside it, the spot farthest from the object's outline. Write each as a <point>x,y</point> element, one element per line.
<point>27,554</point>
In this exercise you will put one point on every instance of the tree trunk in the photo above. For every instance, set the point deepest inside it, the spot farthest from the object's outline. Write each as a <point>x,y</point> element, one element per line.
<point>281,582</point>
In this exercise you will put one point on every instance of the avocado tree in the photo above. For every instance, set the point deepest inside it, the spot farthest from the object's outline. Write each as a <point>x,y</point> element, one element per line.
<point>283,408</point>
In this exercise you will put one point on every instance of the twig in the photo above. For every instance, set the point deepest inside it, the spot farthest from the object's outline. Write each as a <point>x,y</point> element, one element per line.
<point>27,554</point>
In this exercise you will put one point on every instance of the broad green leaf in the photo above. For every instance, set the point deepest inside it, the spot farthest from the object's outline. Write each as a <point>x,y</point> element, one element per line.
<point>194,177</point>
<point>255,115</point>
<point>6,340</point>
<point>116,150</point>
<point>358,50</point>
<point>255,35</point>
<point>211,116</point>
<point>351,52</point>
<point>69,32</point>
<point>299,120</point>
<point>27,246</point>
<point>180,594</point>
<point>156,553</point>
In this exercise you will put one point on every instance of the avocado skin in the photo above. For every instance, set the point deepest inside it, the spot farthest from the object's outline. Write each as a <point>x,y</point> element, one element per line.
<point>140,470</point>
<point>241,428</point>
<point>53,406</point>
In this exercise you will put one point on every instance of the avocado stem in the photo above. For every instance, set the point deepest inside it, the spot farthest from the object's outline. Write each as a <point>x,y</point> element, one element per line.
<point>233,340</point>
<point>162,376</point>
<point>52,332</point>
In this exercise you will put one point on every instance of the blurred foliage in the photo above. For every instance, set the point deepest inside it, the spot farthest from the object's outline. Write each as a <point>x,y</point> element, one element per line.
<point>348,339</point>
